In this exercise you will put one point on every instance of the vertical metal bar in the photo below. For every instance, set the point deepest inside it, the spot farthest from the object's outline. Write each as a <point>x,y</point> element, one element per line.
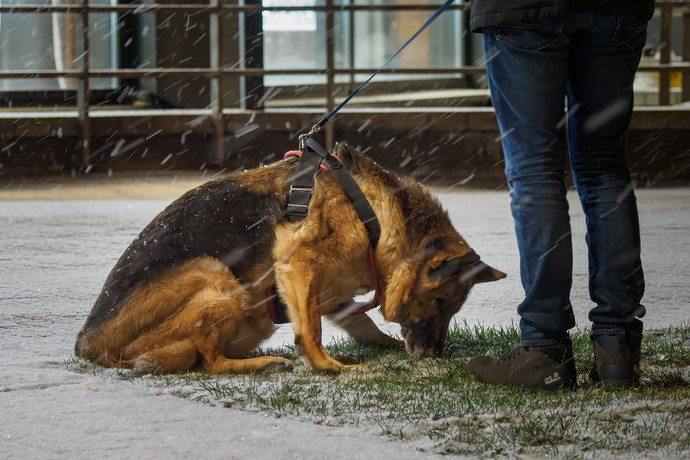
<point>254,57</point>
<point>114,43</point>
<point>242,51</point>
<point>466,39</point>
<point>126,28</point>
<point>685,95</point>
<point>665,54</point>
<point>457,25</point>
<point>330,52</point>
<point>216,82</point>
<point>83,99</point>
<point>351,44</point>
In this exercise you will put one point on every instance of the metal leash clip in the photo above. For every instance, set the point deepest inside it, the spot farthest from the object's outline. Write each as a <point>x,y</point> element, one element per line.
<point>303,137</point>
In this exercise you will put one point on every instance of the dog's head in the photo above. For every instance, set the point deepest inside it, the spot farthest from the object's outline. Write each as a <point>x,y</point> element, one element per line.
<point>424,295</point>
<point>431,279</point>
<point>430,269</point>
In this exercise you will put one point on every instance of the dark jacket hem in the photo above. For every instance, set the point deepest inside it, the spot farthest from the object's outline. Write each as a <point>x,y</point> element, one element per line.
<point>486,13</point>
<point>477,22</point>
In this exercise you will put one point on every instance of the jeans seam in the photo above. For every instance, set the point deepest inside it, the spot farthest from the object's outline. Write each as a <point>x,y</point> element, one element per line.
<point>616,35</point>
<point>505,39</point>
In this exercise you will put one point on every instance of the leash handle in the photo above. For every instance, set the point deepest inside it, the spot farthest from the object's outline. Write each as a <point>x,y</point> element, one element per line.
<point>317,127</point>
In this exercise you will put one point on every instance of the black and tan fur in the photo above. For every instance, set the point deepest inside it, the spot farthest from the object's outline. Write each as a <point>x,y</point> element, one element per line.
<point>189,292</point>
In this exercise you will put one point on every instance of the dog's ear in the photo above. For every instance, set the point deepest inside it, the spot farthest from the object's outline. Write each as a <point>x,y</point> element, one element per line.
<point>453,267</point>
<point>469,268</point>
<point>484,273</point>
<point>398,290</point>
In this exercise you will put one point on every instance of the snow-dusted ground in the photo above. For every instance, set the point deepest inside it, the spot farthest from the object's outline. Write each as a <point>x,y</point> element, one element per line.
<point>54,256</point>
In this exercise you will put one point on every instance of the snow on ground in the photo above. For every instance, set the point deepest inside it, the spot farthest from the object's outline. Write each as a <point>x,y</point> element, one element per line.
<point>54,256</point>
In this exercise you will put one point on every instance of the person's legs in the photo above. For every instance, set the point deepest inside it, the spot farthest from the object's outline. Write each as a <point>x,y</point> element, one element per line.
<point>527,69</point>
<point>604,59</point>
<point>600,97</point>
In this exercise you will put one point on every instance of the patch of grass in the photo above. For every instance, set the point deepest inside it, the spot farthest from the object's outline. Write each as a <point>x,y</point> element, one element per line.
<point>436,404</point>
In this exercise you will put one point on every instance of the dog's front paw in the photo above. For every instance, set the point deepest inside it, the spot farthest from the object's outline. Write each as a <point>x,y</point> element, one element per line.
<point>279,365</point>
<point>389,343</point>
<point>328,365</point>
<point>352,368</point>
<point>382,341</point>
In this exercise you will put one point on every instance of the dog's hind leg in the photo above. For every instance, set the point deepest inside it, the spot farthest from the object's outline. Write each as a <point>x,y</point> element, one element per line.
<point>178,356</point>
<point>209,321</point>
<point>215,315</point>
<point>216,318</point>
<point>364,331</point>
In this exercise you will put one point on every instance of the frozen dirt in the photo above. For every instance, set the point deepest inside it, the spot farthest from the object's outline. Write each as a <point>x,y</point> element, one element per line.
<point>54,256</point>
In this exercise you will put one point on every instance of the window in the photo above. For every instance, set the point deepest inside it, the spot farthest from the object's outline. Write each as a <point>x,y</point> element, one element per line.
<point>289,21</point>
<point>52,42</point>
<point>296,39</point>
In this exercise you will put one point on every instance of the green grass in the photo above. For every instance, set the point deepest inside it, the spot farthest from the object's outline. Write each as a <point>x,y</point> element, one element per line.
<point>438,406</point>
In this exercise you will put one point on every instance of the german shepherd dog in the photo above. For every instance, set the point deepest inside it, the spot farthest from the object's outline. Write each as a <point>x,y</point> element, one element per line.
<point>190,290</point>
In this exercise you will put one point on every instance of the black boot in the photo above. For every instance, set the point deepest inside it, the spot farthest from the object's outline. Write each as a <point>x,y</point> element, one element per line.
<point>545,368</point>
<point>617,357</point>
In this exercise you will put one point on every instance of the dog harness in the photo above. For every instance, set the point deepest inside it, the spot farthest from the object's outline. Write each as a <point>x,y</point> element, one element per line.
<point>313,157</point>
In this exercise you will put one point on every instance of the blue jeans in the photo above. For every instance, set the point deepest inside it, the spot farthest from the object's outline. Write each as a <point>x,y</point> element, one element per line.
<point>533,68</point>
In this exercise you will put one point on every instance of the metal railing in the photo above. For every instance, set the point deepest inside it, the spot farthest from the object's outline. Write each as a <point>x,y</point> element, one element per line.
<point>216,8</point>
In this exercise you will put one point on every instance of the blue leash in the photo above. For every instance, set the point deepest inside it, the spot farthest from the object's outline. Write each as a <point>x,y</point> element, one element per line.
<point>317,127</point>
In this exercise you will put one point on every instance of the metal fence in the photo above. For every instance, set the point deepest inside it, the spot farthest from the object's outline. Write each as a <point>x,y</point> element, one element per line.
<point>216,8</point>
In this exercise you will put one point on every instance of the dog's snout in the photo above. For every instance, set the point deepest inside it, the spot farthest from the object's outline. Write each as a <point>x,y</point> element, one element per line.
<point>428,353</point>
<point>424,340</point>
<point>424,351</point>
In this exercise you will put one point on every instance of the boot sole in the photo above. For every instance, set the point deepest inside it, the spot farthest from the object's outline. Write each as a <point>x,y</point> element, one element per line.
<point>596,379</point>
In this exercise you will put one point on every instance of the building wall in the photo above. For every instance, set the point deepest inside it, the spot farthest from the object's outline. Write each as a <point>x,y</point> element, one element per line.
<point>466,157</point>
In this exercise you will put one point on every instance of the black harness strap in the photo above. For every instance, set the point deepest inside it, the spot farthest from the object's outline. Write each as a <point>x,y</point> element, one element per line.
<point>349,186</point>
<point>299,197</point>
<point>302,187</point>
